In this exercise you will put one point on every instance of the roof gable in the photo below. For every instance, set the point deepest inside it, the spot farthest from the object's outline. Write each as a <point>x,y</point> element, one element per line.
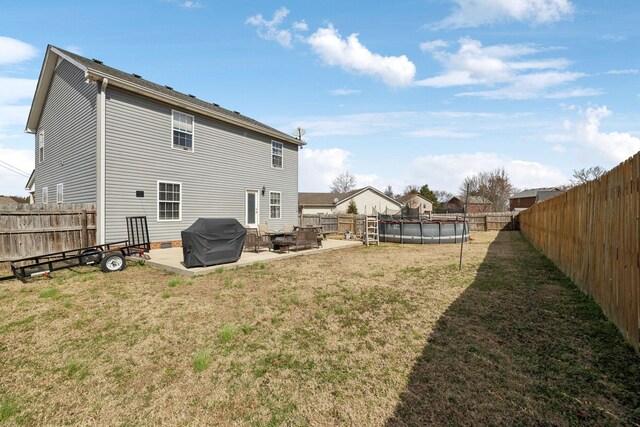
<point>97,71</point>
<point>473,200</point>
<point>533,192</point>
<point>334,199</point>
<point>321,199</point>
<point>410,196</point>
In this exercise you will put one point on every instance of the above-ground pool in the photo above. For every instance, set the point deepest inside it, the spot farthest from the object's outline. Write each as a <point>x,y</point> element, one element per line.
<point>422,232</point>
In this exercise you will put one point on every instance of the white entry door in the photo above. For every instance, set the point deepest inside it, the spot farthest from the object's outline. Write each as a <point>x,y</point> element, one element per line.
<point>252,208</point>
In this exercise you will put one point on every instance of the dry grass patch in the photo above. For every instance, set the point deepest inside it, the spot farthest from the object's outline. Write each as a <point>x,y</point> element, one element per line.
<point>330,339</point>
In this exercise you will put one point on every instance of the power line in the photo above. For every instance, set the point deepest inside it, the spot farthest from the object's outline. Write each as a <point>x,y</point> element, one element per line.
<point>14,169</point>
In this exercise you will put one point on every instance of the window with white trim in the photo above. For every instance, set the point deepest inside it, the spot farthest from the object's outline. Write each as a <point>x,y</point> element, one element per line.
<point>276,154</point>
<point>45,195</point>
<point>40,146</point>
<point>182,125</point>
<point>275,204</point>
<point>59,193</point>
<point>169,201</point>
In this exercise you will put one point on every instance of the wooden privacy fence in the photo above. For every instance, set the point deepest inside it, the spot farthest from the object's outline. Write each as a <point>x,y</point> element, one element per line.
<point>335,223</point>
<point>341,223</point>
<point>486,221</point>
<point>29,230</point>
<point>592,233</point>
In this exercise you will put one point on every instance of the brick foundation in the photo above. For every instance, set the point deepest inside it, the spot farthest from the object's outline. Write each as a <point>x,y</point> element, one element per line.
<point>162,245</point>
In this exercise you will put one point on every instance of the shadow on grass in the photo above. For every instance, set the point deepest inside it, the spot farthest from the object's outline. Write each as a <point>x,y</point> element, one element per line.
<point>522,345</point>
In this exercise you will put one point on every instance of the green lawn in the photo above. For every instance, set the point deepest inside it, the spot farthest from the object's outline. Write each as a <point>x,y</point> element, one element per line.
<point>389,335</point>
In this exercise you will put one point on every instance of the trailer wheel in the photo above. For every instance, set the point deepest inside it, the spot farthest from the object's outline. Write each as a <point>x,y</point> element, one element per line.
<point>112,261</point>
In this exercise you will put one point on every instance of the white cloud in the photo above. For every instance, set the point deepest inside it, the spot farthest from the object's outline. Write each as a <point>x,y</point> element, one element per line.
<point>373,180</point>
<point>300,26</point>
<point>13,115</point>
<point>613,146</point>
<point>626,71</point>
<point>343,92</point>
<point>433,45</point>
<point>270,30</point>
<point>446,172</point>
<point>473,13</point>
<point>352,56</point>
<point>439,133</point>
<point>320,167</point>
<point>352,124</point>
<point>14,51</point>
<point>584,138</point>
<point>398,122</point>
<point>503,69</point>
<point>74,49</point>
<point>13,89</point>
<point>613,37</point>
<point>187,4</point>
<point>12,183</point>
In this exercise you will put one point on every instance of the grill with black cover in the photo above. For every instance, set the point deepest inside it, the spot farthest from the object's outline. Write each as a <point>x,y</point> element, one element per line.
<point>212,241</point>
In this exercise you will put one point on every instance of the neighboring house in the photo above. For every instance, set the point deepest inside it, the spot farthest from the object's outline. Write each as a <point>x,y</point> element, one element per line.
<point>134,147</point>
<point>4,200</point>
<point>418,201</point>
<point>31,187</point>
<point>527,198</point>
<point>476,204</point>
<point>367,200</point>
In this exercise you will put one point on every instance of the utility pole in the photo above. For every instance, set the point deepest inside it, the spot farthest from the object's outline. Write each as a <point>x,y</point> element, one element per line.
<point>464,225</point>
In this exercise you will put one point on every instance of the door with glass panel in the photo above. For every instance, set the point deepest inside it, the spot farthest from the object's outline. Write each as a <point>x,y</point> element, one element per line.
<point>252,208</point>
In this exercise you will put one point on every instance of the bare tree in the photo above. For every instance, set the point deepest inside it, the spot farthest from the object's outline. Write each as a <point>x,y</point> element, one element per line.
<point>389,192</point>
<point>443,196</point>
<point>343,183</point>
<point>411,189</point>
<point>494,186</point>
<point>580,176</point>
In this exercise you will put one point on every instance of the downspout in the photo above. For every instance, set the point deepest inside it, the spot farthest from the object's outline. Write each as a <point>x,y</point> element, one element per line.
<point>101,164</point>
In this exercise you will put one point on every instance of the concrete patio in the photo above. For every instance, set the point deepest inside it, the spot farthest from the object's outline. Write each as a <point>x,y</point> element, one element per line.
<point>170,259</point>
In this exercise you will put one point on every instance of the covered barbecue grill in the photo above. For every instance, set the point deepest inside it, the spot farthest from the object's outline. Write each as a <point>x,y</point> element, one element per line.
<point>211,241</point>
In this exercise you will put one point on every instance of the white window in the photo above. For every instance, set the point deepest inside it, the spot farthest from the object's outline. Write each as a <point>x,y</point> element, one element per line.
<point>59,193</point>
<point>182,125</point>
<point>275,203</point>
<point>169,201</point>
<point>276,154</point>
<point>41,146</point>
<point>45,195</point>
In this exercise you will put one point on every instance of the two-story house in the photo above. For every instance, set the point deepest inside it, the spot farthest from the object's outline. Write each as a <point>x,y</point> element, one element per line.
<point>134,147</point>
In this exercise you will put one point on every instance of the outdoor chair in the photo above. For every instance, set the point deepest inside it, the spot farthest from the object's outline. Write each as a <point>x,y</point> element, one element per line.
<point>288,228</point>
<point>256,240</point>
<point>263,229</point>
<point>305,238</point>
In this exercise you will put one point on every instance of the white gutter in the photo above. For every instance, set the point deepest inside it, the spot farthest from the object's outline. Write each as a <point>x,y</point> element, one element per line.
<point>101,162</point>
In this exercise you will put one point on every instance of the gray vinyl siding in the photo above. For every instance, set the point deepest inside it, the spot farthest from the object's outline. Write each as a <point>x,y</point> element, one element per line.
<point>69,123</point>
<point>227,160</point>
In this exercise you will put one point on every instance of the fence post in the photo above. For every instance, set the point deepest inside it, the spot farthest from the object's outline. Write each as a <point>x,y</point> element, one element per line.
<point>486,222</point>
<point>85,231</point>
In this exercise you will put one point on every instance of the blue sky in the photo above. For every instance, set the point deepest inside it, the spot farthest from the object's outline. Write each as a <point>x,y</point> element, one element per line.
<point>398,93</point>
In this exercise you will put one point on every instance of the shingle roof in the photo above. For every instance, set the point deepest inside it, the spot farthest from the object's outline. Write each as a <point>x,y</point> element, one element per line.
<point>328,199</point>
<point>137,80</point>
<point>533,192</point>
<point>4,200</point>
<point>474,200</point>
<point>323,199</point>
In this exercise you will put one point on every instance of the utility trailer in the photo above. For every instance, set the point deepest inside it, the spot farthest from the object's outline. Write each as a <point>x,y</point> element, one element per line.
<point>110,256</point>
